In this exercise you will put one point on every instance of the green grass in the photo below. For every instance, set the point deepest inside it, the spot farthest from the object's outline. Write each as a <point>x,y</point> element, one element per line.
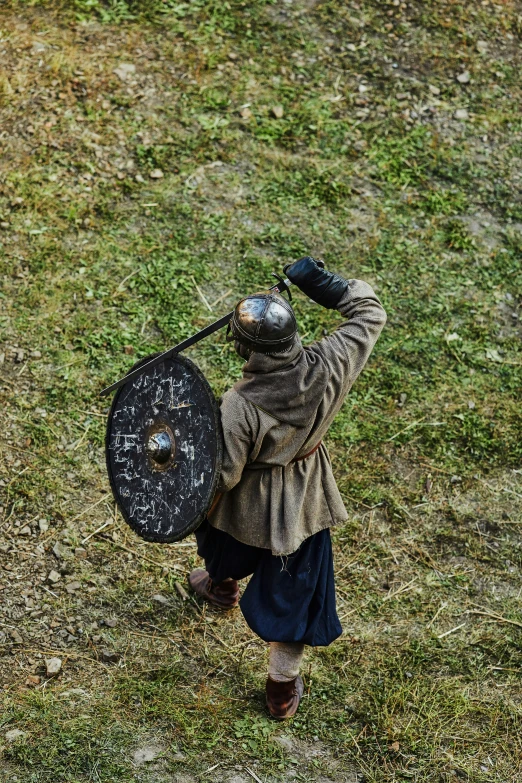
<point>368,167</point>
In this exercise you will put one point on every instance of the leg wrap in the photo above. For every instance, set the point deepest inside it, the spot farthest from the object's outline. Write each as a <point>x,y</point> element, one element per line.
<point>285,660</point>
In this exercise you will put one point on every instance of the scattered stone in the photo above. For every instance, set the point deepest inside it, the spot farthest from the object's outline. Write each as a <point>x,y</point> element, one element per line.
<point>80,553</point>
<point>360,145</point>
<point>482,47</point>
<point>59,550</point>
<point>15,636</point>
<point>128,349</point>
<point>456,479</point>
<point>53,666</point>
<point>43,524</point>
<point>53,577</point>
<point>36,354</point>
<point>156,174</point>
<point>160,599</point>
<point>278,112</point>
<point>111,622</point>
<point>464,78</point>
<point>25,531</point>
<point>146,754</point>
<point>109,656</point>
<point>433,89</point>
<point>461,114</point>
<point>71,587</point>
<point>15,734</point>
<point>246,113</point>
<point>124,70</point>
<point>33,679</point>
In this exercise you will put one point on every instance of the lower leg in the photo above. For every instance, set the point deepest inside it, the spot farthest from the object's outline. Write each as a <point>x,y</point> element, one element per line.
<point>284,686</point>
<point>285,660</point>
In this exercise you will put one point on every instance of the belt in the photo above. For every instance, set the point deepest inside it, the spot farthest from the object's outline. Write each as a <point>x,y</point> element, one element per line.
<point>265,466</point>
<point>308,454</point>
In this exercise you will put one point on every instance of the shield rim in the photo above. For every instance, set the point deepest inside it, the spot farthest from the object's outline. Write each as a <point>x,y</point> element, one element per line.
<point>199,518</point>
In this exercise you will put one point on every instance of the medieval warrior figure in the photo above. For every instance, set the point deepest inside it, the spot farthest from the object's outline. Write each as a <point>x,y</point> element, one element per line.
<point>277,498</point>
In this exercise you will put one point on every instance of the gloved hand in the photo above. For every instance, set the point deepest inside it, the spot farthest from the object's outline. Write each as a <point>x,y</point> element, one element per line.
<point>325,288</point>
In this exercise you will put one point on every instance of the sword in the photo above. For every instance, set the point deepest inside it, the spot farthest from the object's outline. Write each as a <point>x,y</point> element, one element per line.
<point>283,284</point>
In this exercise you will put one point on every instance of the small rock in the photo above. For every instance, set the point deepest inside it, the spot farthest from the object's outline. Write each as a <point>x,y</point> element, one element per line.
<point>43,524</point>
<point>124,70</point>
<point>464,78</point>
<point>461,114</point>
<point>246,113</point>
<point>482,46</point>
<point>58,550</point>
<point>140,179</point>
<point>33,679</point>
<point>128,349</point>
<point>232,56</point>
<point>471,404</point>
<point>433,89</point>
<point>53,577</point>
<point>80,553</point>
<point>111,622</point>
<point>160,599</point>
<point>109,656</point>
<point>4,225</point>
<point>36,354</point>
<point>146,754</point>
<point>24,531</point>
<point>394,746</point>
<point>53,666</point>
<point>15,734</point>
<point>360,145</point>
<point>156,174</point>
<point>278,112</point>
<point>15,636</point>
<point>456,479</point>
<point>72,587</point>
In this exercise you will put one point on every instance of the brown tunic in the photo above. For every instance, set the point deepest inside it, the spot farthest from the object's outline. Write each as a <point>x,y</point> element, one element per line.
<point>269,500</point>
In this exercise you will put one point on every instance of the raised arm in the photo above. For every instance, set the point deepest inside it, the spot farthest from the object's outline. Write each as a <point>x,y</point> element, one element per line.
<point>347,349</point>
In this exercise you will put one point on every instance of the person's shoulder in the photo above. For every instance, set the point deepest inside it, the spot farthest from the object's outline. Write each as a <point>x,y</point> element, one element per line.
<point>234,404</point>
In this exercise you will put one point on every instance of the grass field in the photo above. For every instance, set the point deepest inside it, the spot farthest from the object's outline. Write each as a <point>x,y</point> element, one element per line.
<point>157,156</point>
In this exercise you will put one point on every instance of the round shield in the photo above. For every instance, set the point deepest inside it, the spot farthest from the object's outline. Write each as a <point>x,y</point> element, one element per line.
<point>164,450</point>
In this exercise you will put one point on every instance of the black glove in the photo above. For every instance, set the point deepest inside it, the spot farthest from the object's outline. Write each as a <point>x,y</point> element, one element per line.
<point>325,288</point>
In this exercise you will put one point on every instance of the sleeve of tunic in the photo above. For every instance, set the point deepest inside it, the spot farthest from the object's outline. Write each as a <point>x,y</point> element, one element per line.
<point>348,348</point>
<point>239,435</point>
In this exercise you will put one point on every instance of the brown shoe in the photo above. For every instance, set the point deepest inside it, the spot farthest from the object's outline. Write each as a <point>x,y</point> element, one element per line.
<point>225,595</point>
<point>282,698</point>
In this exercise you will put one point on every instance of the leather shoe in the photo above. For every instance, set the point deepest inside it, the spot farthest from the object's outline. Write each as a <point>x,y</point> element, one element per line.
<point>224,595</point>
<point>282,698</point>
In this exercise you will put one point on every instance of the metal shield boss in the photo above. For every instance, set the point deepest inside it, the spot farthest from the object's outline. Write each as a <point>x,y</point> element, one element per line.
<point>164,448</point>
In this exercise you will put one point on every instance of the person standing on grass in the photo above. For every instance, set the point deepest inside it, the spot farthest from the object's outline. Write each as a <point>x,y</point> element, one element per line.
<point>277,496</point>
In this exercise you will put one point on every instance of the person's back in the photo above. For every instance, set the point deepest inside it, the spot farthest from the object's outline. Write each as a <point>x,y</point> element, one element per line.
<point>277,494</point>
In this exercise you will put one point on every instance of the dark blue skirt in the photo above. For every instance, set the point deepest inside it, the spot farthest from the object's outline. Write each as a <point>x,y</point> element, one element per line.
<point>289,598</point>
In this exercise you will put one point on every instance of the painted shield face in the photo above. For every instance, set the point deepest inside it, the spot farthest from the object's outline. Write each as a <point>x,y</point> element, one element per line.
<point>164,450</point>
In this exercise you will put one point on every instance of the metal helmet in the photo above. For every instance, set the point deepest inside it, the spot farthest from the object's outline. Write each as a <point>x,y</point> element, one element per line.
<point>263,323</point>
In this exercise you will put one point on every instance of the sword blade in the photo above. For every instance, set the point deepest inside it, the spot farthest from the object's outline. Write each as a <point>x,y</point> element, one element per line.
<point>184,344</point>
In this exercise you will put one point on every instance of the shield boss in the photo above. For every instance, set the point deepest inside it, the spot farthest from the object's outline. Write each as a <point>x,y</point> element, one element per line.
<point>164,450</point>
